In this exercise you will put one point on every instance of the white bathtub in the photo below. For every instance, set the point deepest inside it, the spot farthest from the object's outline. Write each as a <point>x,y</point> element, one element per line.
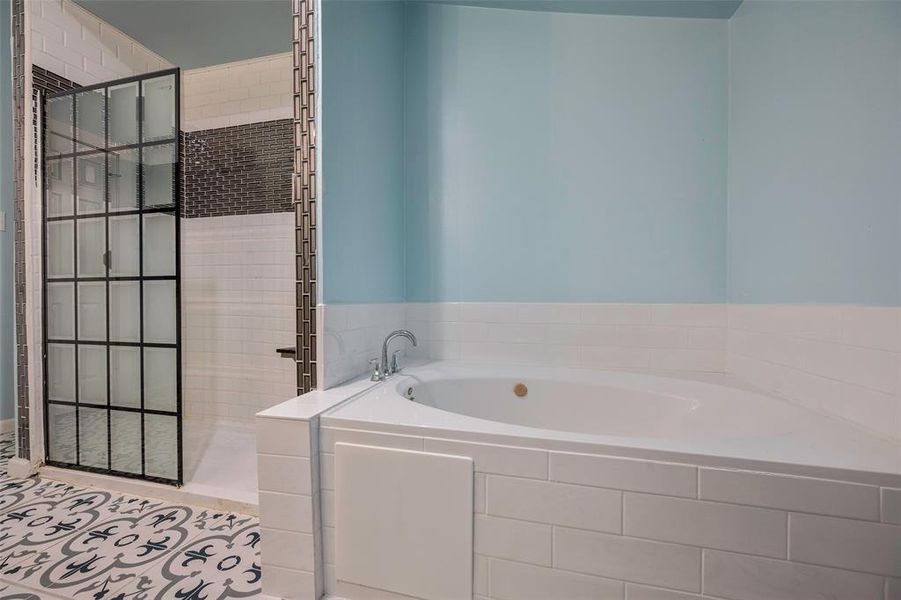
<point>708,420</point>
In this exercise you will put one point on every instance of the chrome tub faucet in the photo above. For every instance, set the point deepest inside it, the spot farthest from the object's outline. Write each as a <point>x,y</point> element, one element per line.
<point>383,369</point>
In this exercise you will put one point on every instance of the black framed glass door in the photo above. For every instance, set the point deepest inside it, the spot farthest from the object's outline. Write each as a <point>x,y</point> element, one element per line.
<point>111,295</point>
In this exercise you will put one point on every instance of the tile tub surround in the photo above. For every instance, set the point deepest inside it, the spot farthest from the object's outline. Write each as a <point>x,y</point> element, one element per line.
<point>353,335</point>
<point>238,307</point>
<point>590,525</point>
<point>288,468</point>
<point>839,360</point>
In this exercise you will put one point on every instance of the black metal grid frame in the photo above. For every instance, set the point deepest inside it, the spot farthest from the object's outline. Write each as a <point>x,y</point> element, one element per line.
<point>175,210</point>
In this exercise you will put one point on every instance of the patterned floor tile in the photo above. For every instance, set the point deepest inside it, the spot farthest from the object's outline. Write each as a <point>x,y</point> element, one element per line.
<point>222,563</point>
<point>63,541</point>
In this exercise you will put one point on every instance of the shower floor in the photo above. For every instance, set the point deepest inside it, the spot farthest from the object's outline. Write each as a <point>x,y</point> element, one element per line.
<point>220,467</point>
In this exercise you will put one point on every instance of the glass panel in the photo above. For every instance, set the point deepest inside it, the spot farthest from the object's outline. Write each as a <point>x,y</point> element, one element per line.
<point>159,312</point>
<point>91,183</point>
<point>124,311</point>
<point>125,433</point>
<point>92,437</point>
<point>123,179</point>
<point>123,114</point>
<point>92,374</point>
<point>61,372</point>
<point>90,120</point>
<point>161,446</point>
<point>159,244</point>
<point>60,190</point>
<point>60,243</point>
<point>92,311</point>
<point>160,372</point>
<point>159,175</point>
<point>159,108</point>
<point>91,247</point>
<point>61,425</point>
<point>59,126</point>
<point>125,376</point>
<point>123,245</point>
<point>61,311</point>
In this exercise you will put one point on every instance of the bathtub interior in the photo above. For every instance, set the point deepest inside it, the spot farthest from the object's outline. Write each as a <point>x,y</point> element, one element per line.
<point>709,419</point>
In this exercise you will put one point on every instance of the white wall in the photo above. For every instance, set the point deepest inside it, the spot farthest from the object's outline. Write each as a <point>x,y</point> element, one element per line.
<point>73,43</point>
<point>237,308</point>
<point>236,93</point>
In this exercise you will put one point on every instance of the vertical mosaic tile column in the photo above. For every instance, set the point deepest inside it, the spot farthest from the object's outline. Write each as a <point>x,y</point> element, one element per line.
<point>23,449</point>
<point>304,190</point>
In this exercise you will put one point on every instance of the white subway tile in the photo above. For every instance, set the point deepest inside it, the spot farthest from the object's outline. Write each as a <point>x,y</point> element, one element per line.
<point>286,474</point>
<point>846,544</point>
<point>479,493</point>
<point>740,577</point>
<point>708,524</point>
<point>500,460</point>
<point>513,540</point>
<point>709,315</point>
<point>802,494</point>
<point>286,511</point>
<point>613,314</point>
<point>615,358</point>
<point>643,592</point>
<point>287,549</point>
<point>624,473</point>
<point>891,505</point>
<point>282,436</point>
<point>289,584</point>
<point>555,503</point>
<point>329,436</point>
<point>516,581</point>
<point>871,327</point>
<point>893,589</point>
<point>684,359</point>
<point>629,559</point>
<point>480,574</point>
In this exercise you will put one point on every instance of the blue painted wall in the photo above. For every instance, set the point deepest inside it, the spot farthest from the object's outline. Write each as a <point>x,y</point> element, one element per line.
<point>815,153</point>
<point>362,149</point>
<point>7,327</point>
<point>561,157</point>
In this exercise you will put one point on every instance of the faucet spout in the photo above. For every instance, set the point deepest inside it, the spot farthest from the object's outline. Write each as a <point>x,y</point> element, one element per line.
<point>385,367</point>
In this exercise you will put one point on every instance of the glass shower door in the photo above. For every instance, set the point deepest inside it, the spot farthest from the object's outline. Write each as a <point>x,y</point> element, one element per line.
<point>112,384</point>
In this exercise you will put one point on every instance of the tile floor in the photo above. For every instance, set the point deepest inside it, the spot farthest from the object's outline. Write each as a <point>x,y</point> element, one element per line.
<point>62,541</point>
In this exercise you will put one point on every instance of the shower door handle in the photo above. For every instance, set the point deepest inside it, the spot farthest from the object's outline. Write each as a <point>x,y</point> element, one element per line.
<point>287,352</point>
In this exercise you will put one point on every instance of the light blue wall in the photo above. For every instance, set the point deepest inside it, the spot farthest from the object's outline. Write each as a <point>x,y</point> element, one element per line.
<point>7,328</point>
<point>815,153</point>
<point>362,151</point>
<point>562,157</point>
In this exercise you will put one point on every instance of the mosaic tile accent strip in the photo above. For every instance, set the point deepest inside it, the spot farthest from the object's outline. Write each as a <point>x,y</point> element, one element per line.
<point>304,189</point>
<point>240,170</point>
<point>18,93</point>
<point>62,541</point>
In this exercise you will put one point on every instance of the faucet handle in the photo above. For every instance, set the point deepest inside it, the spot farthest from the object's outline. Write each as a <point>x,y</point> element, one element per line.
<point>377,374</point>
<point>395,368</point>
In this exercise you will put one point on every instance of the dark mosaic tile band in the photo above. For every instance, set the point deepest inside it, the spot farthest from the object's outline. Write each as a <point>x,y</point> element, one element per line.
<point>18,97</point>
<point>240,170</point>
<point>304,189</point>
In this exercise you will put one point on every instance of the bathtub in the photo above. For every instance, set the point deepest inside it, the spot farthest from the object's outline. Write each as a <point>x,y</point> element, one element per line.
<point>704,419</point>
<point>631,485</point>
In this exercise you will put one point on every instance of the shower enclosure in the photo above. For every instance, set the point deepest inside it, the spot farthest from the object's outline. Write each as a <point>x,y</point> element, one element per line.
<point>111,293</point>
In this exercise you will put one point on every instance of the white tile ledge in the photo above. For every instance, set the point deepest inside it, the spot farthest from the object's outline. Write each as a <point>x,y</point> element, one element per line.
<point>312,404</point>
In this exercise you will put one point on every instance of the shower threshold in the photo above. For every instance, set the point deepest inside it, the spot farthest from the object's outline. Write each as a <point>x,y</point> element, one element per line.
<point>219,466</point>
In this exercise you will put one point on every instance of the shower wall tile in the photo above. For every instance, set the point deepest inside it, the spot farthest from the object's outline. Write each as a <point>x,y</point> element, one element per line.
<point>238,307</point>
<point>244,169</point>
<point>72,42</point>
<point>237,93</point>
<point>840,360</point>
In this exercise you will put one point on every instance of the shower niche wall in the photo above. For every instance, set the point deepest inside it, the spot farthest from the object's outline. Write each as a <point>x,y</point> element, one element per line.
<point>112,374</point>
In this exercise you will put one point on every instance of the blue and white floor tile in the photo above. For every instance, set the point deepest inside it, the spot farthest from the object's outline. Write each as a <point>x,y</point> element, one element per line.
<point>62,541</point>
